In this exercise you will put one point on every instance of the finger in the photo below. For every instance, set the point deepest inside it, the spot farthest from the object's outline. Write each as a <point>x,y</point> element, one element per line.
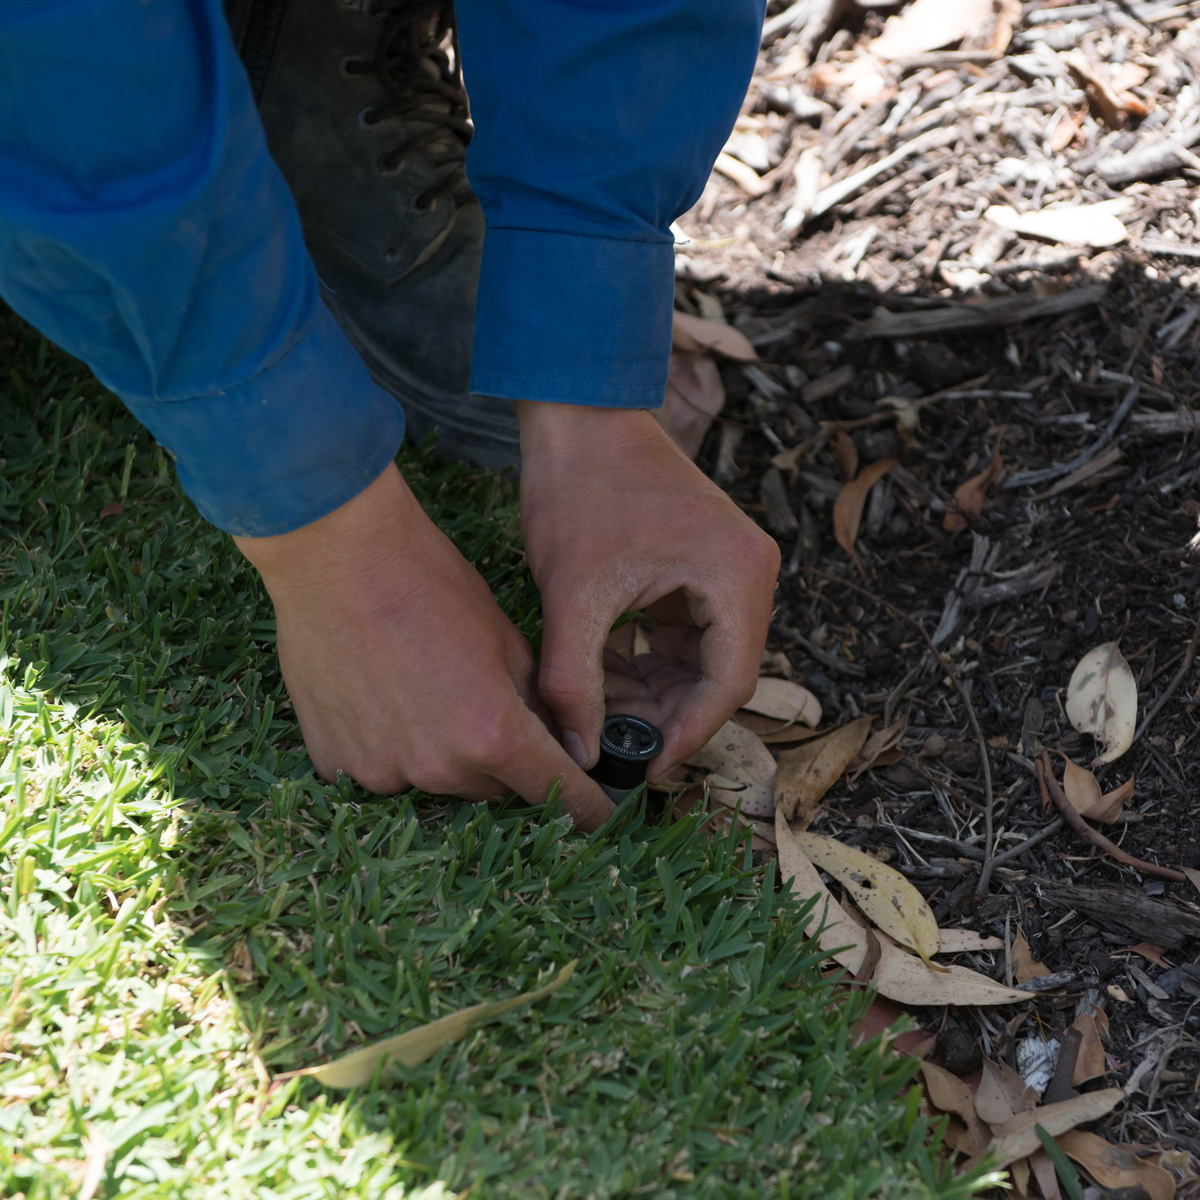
<point>730,655</point>
<point>535,760</point>
<point>571,676</point>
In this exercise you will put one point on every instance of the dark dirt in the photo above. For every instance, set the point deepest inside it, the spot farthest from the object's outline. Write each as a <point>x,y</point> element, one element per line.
<point>1116,555</point>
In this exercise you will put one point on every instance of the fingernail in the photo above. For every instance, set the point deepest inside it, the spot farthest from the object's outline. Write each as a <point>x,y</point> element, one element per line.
<point>573,745</point>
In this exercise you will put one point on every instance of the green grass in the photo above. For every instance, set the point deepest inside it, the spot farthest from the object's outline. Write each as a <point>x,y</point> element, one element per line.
<point>185,909</point>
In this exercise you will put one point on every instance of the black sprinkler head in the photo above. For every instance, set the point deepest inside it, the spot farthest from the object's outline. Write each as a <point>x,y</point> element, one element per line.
<point>627,744</point>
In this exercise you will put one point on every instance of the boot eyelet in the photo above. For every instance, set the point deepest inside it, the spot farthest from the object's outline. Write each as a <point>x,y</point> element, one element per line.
<point>350,66</point>
<point>365,120</point>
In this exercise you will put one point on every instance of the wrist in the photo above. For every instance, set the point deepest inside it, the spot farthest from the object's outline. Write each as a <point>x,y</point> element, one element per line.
<point>547,427</point>
<point>340,544</point>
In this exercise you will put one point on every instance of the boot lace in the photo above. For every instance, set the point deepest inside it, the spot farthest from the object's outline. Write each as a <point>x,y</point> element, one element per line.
<point>423,86</point>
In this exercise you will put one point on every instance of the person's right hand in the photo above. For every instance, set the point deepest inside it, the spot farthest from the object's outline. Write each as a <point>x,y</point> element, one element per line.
<point>401,667</point>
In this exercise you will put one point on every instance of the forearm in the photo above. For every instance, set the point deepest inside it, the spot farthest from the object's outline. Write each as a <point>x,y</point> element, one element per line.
<point>596,126</point>
<point>144,228</point>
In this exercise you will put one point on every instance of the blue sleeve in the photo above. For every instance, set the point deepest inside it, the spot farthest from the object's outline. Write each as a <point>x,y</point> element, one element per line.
<point>144,227</point>
<point>597,123</point>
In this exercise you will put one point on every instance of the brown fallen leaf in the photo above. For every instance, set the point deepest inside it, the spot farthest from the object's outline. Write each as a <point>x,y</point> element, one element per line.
<point>900,976</point>
<point>1091,1062</point>
<point>1042,1169</point>
<point>1008,17</point>
<point>1025,966</point>
<point>1194,876</point>
<point>866,972</point>
<point>1151,953</point>
<point>773,732</point>
<point>1017,1138</point>
<point>950,1094</point>
<point>699,333</point>
<point>1115,1167</point>
<point>1102,699</point>
<point>969,497</point>
<point>846,454</point>
<point>1001,1094</point>
<point>848,507</point>
<point>806,773</point>
<point>881,749</point>
<point>1112,804</point>
<point>785,701</point>
<point>741,770</point>
<point>1081,786</point>
<point>693,398</point>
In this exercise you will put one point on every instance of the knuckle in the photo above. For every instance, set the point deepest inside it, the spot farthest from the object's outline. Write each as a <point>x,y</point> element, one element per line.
<point>494,738</point>
<point>559,686</point>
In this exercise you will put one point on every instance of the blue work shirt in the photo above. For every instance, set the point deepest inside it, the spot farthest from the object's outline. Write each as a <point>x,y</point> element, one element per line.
<point>145,228</point>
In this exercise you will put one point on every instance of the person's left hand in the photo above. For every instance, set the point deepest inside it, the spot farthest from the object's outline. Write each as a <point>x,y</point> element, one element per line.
<point>616,519</point>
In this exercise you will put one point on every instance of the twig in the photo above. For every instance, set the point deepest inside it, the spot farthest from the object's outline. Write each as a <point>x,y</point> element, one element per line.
<point>963,695</point>
<point>1025,478</point>
<point>1051,789</point>
<point>1028,844</point>
<point>1189,657</point>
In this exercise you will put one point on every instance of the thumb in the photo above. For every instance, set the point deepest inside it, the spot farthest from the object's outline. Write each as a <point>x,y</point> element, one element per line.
<point>571,676</point>
<point>538,761</point>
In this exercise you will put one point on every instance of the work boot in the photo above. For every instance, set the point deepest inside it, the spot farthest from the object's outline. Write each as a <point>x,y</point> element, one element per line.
<point>366,116</point>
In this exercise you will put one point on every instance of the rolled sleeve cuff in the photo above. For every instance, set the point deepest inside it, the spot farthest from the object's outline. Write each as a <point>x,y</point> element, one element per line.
<point>573,319</point>
<point>289,445</point>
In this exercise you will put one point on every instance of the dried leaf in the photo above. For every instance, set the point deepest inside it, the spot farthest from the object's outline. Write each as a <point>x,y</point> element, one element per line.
<point>929,25</point>
<point>959,941</point>
<point>969,497</point>
<point>785,701</point>
<point>1001,1094</point>
<point>1112,804</point>
<point>1017,1138</point>
<point>1102,700</point>
<point>741,766</point>
<point>694,396</point>
<point>1069,225</point>
<point>772,732</point>
<point>1091,1062</point>
<point>1152,953</point>
<point>1025,966</point>
<point>699,333</point>
<point>751,798</point>
<point>848,507</point>
<point>96,1149</point>
<point>950,1094</point>
<point>808,772</point>
<point>358,1068</point>
<point>1194,876</point>
<point>1043,1170</point>
<point>880,749</point>
<point>1081,787</point>
<point>885,897</point>
<point>866,972</point>
<point>846,453</point>
<point>900,976</point>
<point>1115,1167</point>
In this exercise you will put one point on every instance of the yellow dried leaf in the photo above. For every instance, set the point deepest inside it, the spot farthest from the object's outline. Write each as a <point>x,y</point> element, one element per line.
<point>899,976</point>
<point>806,773</point>
<point>358,1068</point>
<point>885,897</point>
<point>736,753</point>
<point>1102,700</point>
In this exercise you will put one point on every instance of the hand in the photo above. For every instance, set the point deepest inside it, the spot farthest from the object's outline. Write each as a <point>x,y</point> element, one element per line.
<point>401,667</point>
<point>616,519</point>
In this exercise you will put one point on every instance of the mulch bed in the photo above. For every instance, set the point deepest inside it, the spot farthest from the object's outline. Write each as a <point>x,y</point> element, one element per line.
<point>849,311</point>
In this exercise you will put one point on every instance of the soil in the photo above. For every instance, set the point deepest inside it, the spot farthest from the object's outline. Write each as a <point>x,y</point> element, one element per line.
<point>1110,555</point>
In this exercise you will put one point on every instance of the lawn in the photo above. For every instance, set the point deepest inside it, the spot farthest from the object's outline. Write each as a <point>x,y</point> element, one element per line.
<point>186,910</point>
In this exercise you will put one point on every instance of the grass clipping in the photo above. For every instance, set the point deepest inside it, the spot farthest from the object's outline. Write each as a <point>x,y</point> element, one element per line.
<point>359,1067</point>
